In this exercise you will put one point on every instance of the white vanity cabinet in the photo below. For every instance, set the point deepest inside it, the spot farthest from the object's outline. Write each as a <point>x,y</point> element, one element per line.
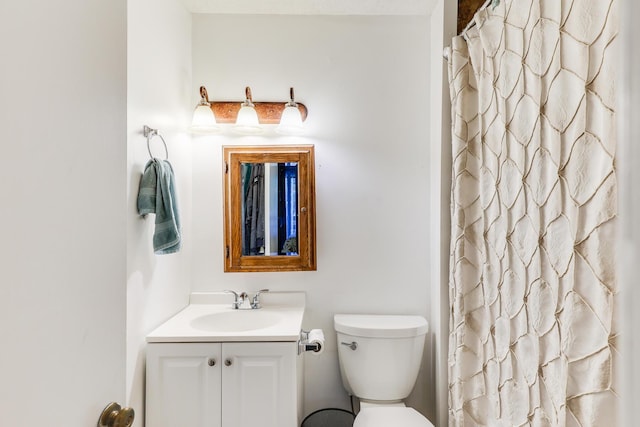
<point>229,384</point>
<point>183,385</point>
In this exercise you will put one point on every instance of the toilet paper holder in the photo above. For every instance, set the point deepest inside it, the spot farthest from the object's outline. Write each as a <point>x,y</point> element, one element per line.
<point>304,345</point>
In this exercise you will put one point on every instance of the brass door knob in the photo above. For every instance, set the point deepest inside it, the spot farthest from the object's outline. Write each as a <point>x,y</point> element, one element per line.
<point>116,416</point>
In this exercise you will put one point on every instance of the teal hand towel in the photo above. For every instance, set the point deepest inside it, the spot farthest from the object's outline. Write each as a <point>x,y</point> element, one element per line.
<point>157,195</point>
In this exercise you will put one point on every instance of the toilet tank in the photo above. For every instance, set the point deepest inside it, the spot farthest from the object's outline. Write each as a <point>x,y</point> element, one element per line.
<point>383,363</point>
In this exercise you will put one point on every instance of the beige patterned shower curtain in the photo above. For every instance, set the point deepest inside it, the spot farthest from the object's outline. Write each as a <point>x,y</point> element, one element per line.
<point>533,294</point>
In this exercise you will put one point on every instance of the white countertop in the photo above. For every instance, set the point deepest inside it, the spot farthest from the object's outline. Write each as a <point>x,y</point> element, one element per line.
<point>288,307</point>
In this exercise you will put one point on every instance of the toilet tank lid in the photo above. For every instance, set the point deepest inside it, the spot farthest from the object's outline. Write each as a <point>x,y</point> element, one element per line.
<point>380,325</point>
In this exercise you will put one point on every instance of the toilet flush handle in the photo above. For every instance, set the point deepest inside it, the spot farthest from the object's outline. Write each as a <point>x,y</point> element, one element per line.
<point>352,345</point>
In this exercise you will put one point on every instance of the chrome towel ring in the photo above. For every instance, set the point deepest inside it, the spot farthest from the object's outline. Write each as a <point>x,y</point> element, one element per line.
<point>149,133</point>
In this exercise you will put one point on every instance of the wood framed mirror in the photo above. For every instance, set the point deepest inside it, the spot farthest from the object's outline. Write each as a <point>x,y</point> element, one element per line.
<point>269,208</point>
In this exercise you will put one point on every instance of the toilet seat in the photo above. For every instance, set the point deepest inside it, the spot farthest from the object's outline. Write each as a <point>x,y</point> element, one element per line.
<point>390,416</point>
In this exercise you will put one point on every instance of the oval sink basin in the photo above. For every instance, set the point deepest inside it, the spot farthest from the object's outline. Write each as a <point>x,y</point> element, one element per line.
<point>236,321</point>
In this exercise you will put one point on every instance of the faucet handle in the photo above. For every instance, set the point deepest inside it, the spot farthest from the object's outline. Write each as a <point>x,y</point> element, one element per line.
<point>237,298</point>
<point>255,302</point>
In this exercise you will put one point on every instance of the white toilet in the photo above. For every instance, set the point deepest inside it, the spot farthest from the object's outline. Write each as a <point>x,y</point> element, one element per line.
<point>380,357</point>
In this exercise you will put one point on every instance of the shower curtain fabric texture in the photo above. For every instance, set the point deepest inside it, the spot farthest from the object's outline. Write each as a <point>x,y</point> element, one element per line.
<point>533,294</point>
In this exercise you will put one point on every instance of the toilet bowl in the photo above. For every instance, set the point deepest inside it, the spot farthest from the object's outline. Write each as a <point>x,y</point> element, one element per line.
<point>382,416</point>
<point>379,357</point>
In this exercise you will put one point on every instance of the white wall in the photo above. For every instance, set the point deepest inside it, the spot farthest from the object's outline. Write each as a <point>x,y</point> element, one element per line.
<point>365,81</point>
<point>629,245</point>
<point>62,214</point>
<point>443,29</point>
<point>159,95</point>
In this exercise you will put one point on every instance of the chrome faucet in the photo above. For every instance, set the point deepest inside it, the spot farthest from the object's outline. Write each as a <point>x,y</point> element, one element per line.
<point>255,301</point>
<point>239,300</point>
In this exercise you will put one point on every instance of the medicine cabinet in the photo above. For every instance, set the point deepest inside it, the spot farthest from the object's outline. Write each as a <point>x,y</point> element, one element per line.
<point>269,208</point>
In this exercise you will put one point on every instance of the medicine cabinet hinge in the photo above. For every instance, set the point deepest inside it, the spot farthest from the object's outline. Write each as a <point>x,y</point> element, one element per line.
<point>227,251</point>
<point>226,167</point>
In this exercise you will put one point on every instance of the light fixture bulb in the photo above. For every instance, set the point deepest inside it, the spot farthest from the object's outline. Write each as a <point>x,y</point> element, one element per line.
<point>247,122</point>
<point>204,121</point>
<point>291,119</point>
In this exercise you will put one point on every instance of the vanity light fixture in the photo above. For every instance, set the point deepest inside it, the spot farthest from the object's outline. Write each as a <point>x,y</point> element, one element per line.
<point>204,120</point>
<point>291,119</point>
<point>247,122</point>
<point>248,117</point>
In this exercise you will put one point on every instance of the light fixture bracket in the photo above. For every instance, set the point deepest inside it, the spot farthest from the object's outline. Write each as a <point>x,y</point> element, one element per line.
<point>204,96</point>
<point>269,112</point>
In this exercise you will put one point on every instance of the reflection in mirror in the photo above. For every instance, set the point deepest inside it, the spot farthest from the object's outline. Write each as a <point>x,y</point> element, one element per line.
<point>269,208</point>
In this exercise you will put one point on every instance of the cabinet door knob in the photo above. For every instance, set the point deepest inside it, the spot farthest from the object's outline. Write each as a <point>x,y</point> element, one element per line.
<point>211,362</point>
<point>228,362</point>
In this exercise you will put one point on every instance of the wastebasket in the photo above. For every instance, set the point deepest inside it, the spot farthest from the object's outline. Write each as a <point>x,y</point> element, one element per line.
<point>330,417</point>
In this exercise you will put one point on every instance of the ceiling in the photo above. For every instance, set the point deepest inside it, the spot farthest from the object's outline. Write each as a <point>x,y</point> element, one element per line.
<point>312,7</point>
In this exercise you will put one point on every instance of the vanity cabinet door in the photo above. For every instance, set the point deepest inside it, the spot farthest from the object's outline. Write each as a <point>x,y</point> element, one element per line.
<point>183,385</point>
<point>259,384</point>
